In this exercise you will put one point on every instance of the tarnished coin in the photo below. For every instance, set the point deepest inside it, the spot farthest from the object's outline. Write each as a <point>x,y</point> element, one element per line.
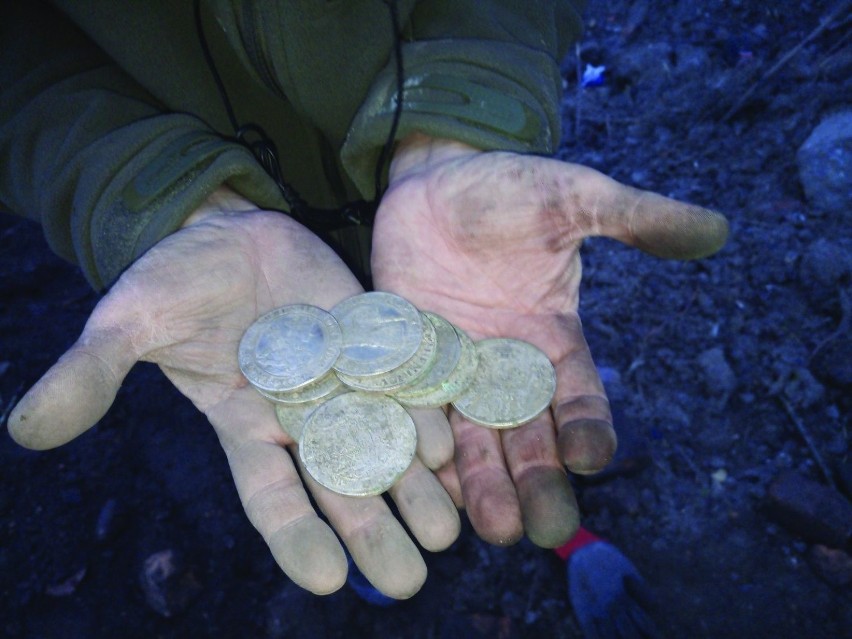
<point>289,347</point>
<point>381,331</point>
<point>514,384</point>
<point>452,373</point>
<point>358,444</point>
<point>292,417</point>
<point>323,387</point>
<point>404,375</point>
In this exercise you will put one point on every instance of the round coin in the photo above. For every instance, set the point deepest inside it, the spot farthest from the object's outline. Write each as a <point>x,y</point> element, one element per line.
<point>289,347</point>
<point>514,384</point>
<point>380,331</point>
<point>448,388</point>
<point>292,417</point>
<point>404,375</point>
<point>323,387</point>
<point>358,444</point>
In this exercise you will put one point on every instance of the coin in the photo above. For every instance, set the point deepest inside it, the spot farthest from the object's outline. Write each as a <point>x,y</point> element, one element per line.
<point>323,387</point>
<point>292,417</point>
<point>450,388</point>
<point>289,347</point>
<point>514,384</point>
<point>404,375</point>
<point>358,443</point>
<point>380,330</point>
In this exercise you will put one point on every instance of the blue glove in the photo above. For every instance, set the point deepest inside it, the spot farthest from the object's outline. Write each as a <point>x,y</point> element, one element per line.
<point>608,594</point>
<point>364,589</point>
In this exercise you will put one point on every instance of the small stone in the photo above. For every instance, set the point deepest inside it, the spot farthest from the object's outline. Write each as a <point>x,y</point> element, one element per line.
<point>826,264</point>
<point>802,388</point>
<point>68,586</point>
<point>831,565</point>
<point>169,586</point>
<point>110,520</point>
<point>825,165</point>
<point>719,377</point>
<point>833,362</point>
<point>814,512</point>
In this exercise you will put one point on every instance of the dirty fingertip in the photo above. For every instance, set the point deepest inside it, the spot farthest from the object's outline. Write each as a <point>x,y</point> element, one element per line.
<point>587,446</point>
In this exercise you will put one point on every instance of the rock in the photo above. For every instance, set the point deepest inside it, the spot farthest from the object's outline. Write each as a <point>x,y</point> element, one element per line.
<point>833,363</point>
<point>719,377</point>
<point>825,267</point>
<point>825,165</point>
<point>111,520</point>
<point>168,584</point>
<point>815,512</point>
<point>802,388</point>
<point>68,586</point>
<point>831,565</point>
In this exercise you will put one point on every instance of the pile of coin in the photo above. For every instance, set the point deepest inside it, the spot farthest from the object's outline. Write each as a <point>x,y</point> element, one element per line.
<point>341,381</point>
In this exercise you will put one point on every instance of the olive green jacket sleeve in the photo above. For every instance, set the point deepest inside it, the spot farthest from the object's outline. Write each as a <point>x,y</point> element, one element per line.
<point>484,72</point>
<point>111,139</point>
<point>92,156</point>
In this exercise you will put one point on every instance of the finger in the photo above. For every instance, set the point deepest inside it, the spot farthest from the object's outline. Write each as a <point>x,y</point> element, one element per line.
<point>434,437</point>
<point>489,494</point>
<point>449,478</point>
<point>74,393</point>
<point>651,222</point>
<point>426,507</point>
<point>275,502</point>
<point>377,542</point>
<point>548,506</point>
<point>586,438</point>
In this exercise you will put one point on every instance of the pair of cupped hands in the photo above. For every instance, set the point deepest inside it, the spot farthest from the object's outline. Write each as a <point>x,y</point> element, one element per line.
<point>488,240</point>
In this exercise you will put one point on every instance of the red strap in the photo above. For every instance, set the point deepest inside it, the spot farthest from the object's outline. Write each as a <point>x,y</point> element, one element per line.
<point>582,538</point>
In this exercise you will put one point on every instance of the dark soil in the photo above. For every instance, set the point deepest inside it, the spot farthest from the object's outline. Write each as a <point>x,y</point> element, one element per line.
<point>716,369</point>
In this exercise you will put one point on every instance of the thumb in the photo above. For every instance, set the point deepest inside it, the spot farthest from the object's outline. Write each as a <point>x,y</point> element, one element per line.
<point>74,393</point>
<point>656,224</point>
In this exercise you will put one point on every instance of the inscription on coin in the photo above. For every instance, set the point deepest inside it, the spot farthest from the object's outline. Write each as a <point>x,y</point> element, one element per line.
<point>381,331</point>
<point>357,443</point>
<point>289,347</point>
<point>514,384</point>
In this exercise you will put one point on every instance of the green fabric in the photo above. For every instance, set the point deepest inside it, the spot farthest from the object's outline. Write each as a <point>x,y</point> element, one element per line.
<point>112,131</point>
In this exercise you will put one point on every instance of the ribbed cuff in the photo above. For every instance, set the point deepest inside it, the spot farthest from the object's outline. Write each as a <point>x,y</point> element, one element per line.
<point>158,187</point>
<point>486,94</point>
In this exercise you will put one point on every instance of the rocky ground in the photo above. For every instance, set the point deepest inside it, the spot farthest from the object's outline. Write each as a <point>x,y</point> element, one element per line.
<point>730,381</point>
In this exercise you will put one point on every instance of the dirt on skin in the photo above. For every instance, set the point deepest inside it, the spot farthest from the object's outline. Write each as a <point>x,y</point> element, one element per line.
<point>717,371</point>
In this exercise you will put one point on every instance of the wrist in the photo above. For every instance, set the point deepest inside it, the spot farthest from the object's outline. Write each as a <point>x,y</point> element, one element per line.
<point>221,201</point>
<point>419,152</point>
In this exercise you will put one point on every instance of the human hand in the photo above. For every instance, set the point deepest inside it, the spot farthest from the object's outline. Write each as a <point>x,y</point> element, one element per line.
<point>184,305</point>
<point>609,597</point>
<point>491,242</point>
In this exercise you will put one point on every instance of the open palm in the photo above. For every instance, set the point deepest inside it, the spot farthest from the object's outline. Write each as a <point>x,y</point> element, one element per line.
<point>491,242</point>
<point>185,305</point>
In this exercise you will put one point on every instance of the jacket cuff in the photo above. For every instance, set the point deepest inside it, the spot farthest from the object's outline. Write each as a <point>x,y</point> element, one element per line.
<point>156,190</point>
<point>489,95</point>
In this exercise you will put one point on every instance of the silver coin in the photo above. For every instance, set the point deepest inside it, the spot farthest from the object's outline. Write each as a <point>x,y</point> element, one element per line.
<point>514,384</point>
<point>404,375</point>
<point>358,444</point>
<point>289,347</point>
<point>323,387</point>
<point>381,331</point>
<point>440,392</point>
<point>291,417</point>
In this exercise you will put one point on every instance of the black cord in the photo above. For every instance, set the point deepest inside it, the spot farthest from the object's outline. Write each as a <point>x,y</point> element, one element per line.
<point>254,138</point>
<point>400,87</point>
